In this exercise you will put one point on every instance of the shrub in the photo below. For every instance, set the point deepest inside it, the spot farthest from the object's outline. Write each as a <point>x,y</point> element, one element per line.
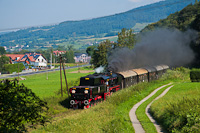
<point>13,67</point>
<point>195,75</point>
<point>19,106</point>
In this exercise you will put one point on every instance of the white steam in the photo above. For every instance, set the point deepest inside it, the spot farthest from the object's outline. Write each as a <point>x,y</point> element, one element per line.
<point>99,69</point>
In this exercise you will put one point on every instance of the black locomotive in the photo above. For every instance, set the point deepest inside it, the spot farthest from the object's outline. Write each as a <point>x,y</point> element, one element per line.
<point>97,87</point>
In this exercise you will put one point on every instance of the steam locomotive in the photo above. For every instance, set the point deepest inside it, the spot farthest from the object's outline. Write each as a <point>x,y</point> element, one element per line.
<point>97,87</point>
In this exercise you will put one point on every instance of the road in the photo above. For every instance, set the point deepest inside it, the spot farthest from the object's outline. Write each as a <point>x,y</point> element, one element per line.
<point>4,76</point>
<point>132,114</point>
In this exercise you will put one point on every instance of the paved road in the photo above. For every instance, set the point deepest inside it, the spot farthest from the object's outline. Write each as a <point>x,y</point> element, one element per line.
<point>4,76</point>
<point>158,127</point>
<point>132,114</point>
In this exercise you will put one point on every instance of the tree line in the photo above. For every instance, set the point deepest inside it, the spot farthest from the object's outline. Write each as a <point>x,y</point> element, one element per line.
<point>99,54</point>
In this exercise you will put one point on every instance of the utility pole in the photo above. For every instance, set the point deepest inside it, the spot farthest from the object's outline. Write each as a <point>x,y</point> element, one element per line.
<point>61,75</point>
<point>65,79</point>
<point>51,61</point>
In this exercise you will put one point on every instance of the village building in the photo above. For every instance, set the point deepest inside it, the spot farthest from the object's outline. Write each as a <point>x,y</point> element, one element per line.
<point>32,59</point>
<point>57,53</point>
<point>82,57</point>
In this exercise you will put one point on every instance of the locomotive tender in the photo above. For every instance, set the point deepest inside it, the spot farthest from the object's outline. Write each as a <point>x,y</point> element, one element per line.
<point>97,87</point>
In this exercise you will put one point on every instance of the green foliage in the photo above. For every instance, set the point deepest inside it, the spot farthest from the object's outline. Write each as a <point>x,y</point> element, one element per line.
<point>13,67</point>
<point>2,50</point>
<point>99,57</point>
<point>19,106</point>
<point>195,75</point>
<point>69,57</point>
<point>182,20</point>
<point>126,38</point>
<point>3,60</point>
<point>90,50</point>
<point>179,110</point>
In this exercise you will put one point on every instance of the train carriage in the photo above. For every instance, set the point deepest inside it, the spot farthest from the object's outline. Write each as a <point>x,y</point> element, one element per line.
<point>129,78</point>
<point>159,71</point>
<point>165,67</point>
<point>142,74</point>
<point>151,73</point>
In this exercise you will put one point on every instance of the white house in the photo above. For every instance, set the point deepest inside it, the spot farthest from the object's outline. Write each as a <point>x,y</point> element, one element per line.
<point>82,57</point>
<point>35,59</point>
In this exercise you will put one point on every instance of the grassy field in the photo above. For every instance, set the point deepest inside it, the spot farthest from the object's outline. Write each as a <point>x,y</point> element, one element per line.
<point>109,116</point>
<point>48,84</point>
<point>113,114</point>
<point>67,64</point>
<point>179,109</point>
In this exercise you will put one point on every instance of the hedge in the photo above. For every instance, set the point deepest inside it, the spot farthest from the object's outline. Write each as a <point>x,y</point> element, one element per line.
<point>195,75</point>
<point>13,67</point>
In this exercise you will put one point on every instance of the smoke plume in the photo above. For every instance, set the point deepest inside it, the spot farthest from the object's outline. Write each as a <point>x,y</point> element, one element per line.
<point>162,46</point>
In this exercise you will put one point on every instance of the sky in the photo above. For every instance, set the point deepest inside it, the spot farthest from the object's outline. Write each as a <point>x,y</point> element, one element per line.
<point>26,13</point>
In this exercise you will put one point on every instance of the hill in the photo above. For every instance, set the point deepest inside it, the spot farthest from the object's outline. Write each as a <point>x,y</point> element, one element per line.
<point>188,18</point>
<point>73,32</point>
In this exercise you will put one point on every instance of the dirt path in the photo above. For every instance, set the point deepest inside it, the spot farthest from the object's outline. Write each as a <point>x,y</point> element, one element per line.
<point>158,127</point>
<point>132,114</point>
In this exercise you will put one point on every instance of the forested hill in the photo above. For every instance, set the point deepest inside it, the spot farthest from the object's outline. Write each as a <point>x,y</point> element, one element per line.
<point>188,18</point>
<point>98,26</point>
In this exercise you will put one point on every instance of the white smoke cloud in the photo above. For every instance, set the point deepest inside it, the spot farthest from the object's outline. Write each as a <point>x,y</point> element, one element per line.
<point>99,69</point>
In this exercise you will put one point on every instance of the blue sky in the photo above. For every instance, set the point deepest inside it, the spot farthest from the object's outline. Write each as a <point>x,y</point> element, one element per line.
<point>24,13</point>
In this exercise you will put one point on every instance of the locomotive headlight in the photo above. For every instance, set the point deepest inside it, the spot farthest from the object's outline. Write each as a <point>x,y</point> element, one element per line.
<point>86,91</point>
<point>73,91</point>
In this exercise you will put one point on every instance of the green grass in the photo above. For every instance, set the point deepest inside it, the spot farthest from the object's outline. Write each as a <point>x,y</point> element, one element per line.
<point>109,116</point>
<point>179,110</point>
<point>143,118</point>
<point>44,87</point>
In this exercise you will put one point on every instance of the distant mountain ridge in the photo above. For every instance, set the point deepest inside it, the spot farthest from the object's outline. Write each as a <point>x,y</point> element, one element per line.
<point>97,27</point>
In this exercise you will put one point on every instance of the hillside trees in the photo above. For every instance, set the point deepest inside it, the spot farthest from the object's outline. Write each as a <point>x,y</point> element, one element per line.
<point>112,24</point>
<point>126,38</point>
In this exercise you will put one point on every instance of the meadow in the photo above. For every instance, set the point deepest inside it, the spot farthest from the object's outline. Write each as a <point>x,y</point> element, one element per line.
<point>112,115</point>
<point>48,84</point>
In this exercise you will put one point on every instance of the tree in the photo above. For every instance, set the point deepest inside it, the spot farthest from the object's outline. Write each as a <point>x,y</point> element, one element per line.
<point>2,50</point>
<point>68,57</point>
<point>126,38</point>
<point>3,60</point>
<point>99,57</point>
<point>90,50</point>
<point>19,106</point>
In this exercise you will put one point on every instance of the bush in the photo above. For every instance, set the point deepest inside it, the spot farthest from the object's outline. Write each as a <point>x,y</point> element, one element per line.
<point>195,75</point>
<point>13,67</point>
<point>19,106</point>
